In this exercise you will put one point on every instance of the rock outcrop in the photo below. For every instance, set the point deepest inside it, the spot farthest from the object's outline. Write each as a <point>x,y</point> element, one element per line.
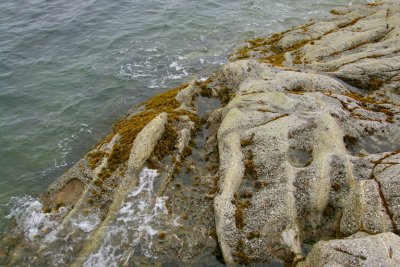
<point>356,250</point>
<point>309,142</point>
<point>299,157</point>
<point>299,166</point>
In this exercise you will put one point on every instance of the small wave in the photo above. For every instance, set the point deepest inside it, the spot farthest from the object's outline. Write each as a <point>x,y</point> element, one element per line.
<point>131,73</point>
<point>176,76</point>
<point>29,217</point>
<point>86,223</point>
<point>175,65</point>
<point>136,225</point>
<point>65,144</point>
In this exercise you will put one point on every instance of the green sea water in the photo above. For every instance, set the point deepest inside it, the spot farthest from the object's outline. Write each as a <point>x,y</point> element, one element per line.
<point>69,69</point>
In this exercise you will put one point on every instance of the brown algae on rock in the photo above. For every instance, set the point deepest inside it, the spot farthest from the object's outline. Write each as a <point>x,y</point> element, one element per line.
<point>240,256</point>
<point>129,127</point>
<point>240,207</point>
<point>95,157</point>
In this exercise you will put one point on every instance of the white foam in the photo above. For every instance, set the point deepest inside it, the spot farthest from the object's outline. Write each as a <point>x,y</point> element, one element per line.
<point>44,228</point>
<point>136,224</point>
<point>175,65</point>
<point>128,71</point>
<point>28,215</point>
<point>175,76</point>
<point>65,144</point>
<point>86,223</point>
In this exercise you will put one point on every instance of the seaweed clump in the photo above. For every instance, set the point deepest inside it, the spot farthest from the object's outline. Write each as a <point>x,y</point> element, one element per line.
<point>205,91</point>
<point>369,103</point>
<point>253,235</point>
<point>129,127</point>
<point>249,168</point>
<point>240,207</point>
<point>248,141</point>
<point>95,157</point>
<point>334,12</point>
<point>256,44</point>
<point>240,256</point>
<point>225,95</point>
<point>162,235</point>
<point>268,49</point>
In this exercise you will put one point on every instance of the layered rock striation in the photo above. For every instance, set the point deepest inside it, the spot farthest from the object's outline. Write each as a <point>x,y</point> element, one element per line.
<point>295,164</point>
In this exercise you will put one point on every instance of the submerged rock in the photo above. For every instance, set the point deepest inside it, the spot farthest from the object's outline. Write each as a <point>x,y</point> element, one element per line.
<point>301,159</point>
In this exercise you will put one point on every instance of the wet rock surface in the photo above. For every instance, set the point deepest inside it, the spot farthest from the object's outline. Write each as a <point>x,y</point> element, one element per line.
<point>288,155</point>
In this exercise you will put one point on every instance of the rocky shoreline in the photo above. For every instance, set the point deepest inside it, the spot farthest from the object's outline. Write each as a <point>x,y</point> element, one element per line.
<point>288,155</point>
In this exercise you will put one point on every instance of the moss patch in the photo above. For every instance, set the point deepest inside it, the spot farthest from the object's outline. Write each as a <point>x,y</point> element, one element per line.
<point>375,83</point>
<point>257,42</point>
<point>351,23</point>
<point>167,142</point>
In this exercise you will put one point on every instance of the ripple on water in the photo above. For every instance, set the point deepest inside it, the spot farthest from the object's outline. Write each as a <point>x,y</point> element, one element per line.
<point>28,216</point>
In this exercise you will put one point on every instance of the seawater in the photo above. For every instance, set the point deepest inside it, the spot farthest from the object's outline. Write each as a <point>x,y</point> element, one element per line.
<point>69,69</point>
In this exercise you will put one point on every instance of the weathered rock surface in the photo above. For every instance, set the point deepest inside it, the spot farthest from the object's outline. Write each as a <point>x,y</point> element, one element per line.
<point>294,164</point>
<point>302,159</point>
<point>358,44</point>
<point>357,250</point>
<point>305,156</point>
